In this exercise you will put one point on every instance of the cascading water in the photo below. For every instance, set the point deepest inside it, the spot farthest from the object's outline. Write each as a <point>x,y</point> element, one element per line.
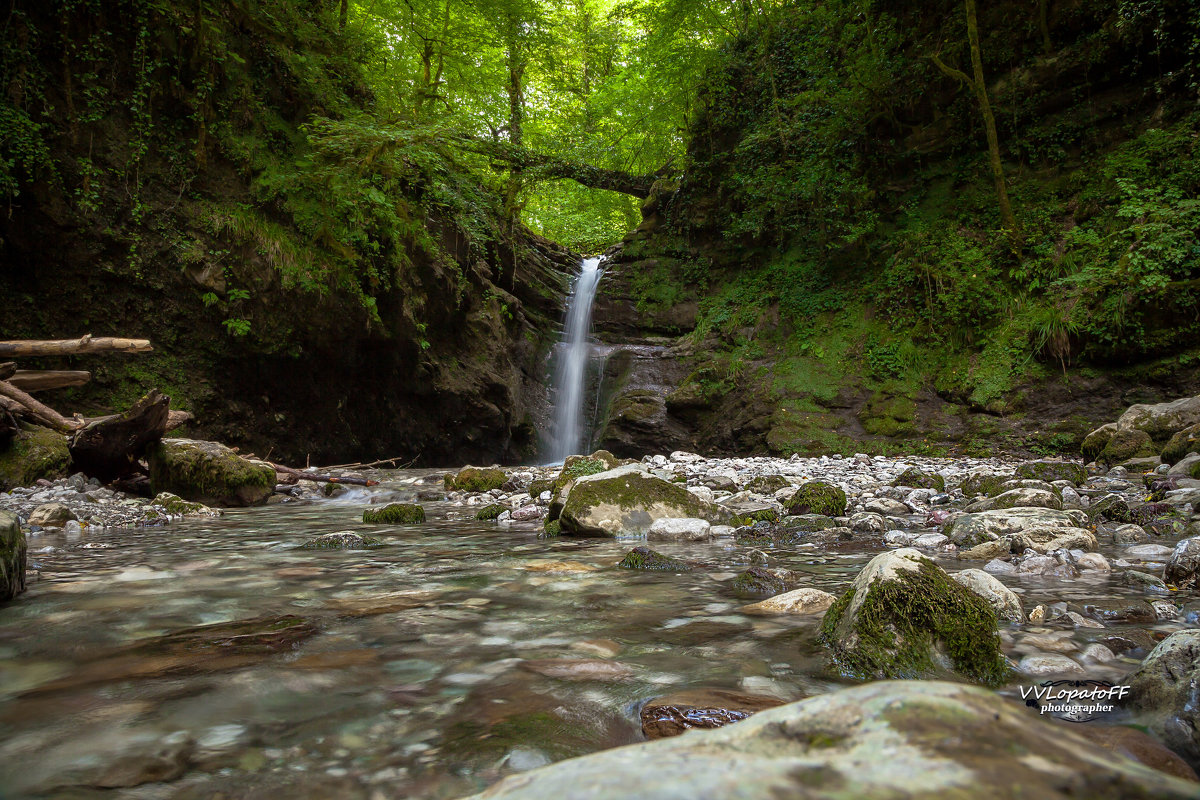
<point>575,351</point>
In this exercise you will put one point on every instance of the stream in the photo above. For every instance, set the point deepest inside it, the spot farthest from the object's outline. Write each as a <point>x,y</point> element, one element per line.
<point>457,653</point>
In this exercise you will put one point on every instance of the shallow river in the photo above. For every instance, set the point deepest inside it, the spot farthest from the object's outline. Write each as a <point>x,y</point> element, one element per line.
<point>414,670</point>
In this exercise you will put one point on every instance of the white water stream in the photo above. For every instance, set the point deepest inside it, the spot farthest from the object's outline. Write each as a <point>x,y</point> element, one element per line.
<point>575,351</point>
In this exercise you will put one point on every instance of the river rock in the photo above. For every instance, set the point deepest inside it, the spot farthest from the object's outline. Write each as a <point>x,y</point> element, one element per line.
<point>868,522</point>
<point>342,540</point>
<point>971,529</point>
<point>886,739</point>
<point>628,500</point>
<point>702,709</point>
<point>645,558</point>
<point>1181,444</point>
<point>208,473</point>
<point>176,506</point>
<point>760,581</point>
<point>1050,471</point>
<point>1001,598</point>
<point>1126,444</point>
<point>1161,420</point>
<point>527,513</point>
<point>903,616</point>
<point>33,454</point>
<point>817,497</point>
<point>1121,740</point>
<point>677,529</point>
<point>1127,612</point>
<point>1164,690</point>
<point>1183,570</point>
<point>1049,664</point>
<point>395,514</point>
<point>886,506</point>
<point>1020,498</point>
<point>475,479</point>
<point>916,479</point>
<point>579,669</point>
<point>1047,540</point>
<point>12,556</point>
<point>797,601</point>
<point>51,515</point>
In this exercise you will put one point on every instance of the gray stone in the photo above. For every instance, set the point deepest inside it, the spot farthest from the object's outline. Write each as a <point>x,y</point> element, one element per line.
<point>51,515</point>
<point>1183,568</point>
<point>1163,689</point>
<point>1162,420</point>
<point>628,500</point>
<point>1001,598</point>
<point>972,529</point>
<point>679,529</point>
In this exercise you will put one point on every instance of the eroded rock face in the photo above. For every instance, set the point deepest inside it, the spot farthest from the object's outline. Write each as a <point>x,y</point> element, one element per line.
<point>208,473</point>
<point>12,557</point>
<point>628,500</point>
<point>1164,690</point>
<point>919,739</point>
<point>903,617</point>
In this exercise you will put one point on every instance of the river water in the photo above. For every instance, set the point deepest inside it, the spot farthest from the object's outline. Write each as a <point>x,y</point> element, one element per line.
<point>429,667</point>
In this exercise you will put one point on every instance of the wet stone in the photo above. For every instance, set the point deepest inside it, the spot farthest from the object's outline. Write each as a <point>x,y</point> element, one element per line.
<point>691,709</point>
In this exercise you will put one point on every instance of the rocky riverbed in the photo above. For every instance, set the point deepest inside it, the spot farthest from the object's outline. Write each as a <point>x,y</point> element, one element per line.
<point>539,613</point>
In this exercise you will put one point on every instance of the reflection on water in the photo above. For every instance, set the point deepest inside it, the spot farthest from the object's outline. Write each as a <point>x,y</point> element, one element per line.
<point>402,670</point>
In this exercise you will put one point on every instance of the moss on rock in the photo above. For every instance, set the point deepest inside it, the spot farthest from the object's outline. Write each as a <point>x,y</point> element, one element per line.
<point>1094,443</point>
<point>645,558</point>
<point>817,497</point>
<point>209,473</point>
<point>629,499</point>
<point>1127,444</point>
<point>395,514</point>
<point>1110,507</point>
<point>490,511</point>
<point>551,528</point>
<point>768,484</point>
<point>763,582</point>
<point>33,454</point>
<point>1051,471</point>
<point>919,480</point>
<point>904,617</point>
<point>342,540</point>
<point>1183,442</point>
<point>475,479</point>
<point>177,506</point>
<point>980,483</point>
<point>537,487</point>
<point>13,554</point>
<point>760,515</point>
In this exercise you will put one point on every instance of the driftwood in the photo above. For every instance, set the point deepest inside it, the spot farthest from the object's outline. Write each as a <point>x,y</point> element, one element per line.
<point>66,347</point>
<point>109,447</point>
<point>379,463</point>
<point>44,414</point>
<point>40,380</point>
<point>7,370</point>
<point>311,476</point>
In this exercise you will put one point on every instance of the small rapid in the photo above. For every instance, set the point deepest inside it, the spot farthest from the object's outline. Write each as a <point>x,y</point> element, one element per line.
<point>575,351</point>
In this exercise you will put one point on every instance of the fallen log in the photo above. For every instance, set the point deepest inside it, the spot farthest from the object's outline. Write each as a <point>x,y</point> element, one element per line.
<point>7,370</point>
<point>65,347</point>
<point>40,380</point>
<point>312,476</point>
<point>108,448</point>
<point>39,411</point>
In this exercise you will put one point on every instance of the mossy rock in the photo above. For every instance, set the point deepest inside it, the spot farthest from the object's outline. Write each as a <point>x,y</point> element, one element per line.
<point>476,479</point>
<point>759,534</point>
<point>343,540</point>
<point>979,483</point>
<point>490,511</point>
<point>208,473</point>
<point>579,466</point>
<point>1094,443</point>
<point>13,555</point>
<point>645,558</point>
<point>817,497</point>
<point>34,454</point>
<point>760,515</point>
<point>551,528</point>
<point>919,480</point>
<point>628,499</point>
<point>763,582</point>
<point>177,506</point>
<point>768,484</point>
<point>888,415</point>
<point>1160,519</point>
<point>1183,442</point>
<point>1127,444</point>
<point>537,487</point>
<point>395,514</point>
<point>1110,507</point>
<point>333,489</point>
<point>807,523</point>
<point>1051,471</point>
<point>904,617</point>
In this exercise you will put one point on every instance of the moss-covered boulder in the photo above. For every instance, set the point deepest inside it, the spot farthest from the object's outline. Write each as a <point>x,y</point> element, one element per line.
<point>1095,442</point>
<point>645,558</point>
<point>1020,498</point>
<point>628,500</point>
<point>817,497</point>
<point>208,473</point>
<point>176,506</point>
<point>1126,444</point>
<point>968,530</point>
<point>537,487</point>
<point>917,479</point>
<point>551,528</point>
<point>1161,421</point>
<point>1184,442</point>
<point>33,454</point>
<point>395,514</point>
<point>1050,471</point>
<point>12,557</point>
<point>1163,691</point>
<point>1110,507</point>
<point>768,484</point>
<point>904,617</point>
<point>763,582</point>
<point>476,479</point>
<point>490,511</point>
<point>342,540</point>
<point>978,483</point>
<point>806,523</point>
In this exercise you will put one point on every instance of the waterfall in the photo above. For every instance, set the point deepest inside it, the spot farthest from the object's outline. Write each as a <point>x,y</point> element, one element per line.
<point>574,353</point>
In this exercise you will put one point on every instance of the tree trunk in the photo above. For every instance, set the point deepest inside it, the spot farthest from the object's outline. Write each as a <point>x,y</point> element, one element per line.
<point>515,57</point>
<point>343,15</point>
<point>40,380</point>
<point>39,411</point>
<point>1044,26</point>
<point>108,448</point>
<point>989,122</point>
<point>64,347</point>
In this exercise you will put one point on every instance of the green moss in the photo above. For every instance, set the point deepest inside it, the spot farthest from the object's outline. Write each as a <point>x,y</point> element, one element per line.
<point>645,558</point>
<point>1110,507</point>
<point>768,484</point>
<point>1183,442</point>
<point>209,473</point>
<point>1127,444</point>
<point>395,514</point>
<point>817,497</point>
<point>537,487</point>
<point>990,485</point>
<point>902,621</point>
<point>807,523</point>
<point>34,453</point>
<point>490,511</point>
<point>551,528</point>
<point>344,540</point>
<point>13,556</point>
<point>755,535</point>
<point>577,466</point>
<point>761,515</point>
<point>761,582</point>
<point>919,480</point>
<point>333,489</point>
<point>177,506</point>
<point>1095,442</point>
<point>475,479</point>
<point>1051,471</point>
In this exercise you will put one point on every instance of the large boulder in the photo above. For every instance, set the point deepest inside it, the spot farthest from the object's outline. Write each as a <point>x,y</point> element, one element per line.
<point>1051,471</point>
<point>1020,498</point>
<point>475,479</point>
<point>208,473</point>
<point>1127,443</point>
<point>628,500</point>
<point>1183,570</point>
<point>967,530</point>
<point>1183,442</point>
<point>12,556</point>
<point>32,454</point>
<point>904,617</point>
<point>888,739</point>
<point>1095,442</point>
<point>1001,598</point>
<point>1164,688</point>
<point>1161,421</point>
<point>817,497</point>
